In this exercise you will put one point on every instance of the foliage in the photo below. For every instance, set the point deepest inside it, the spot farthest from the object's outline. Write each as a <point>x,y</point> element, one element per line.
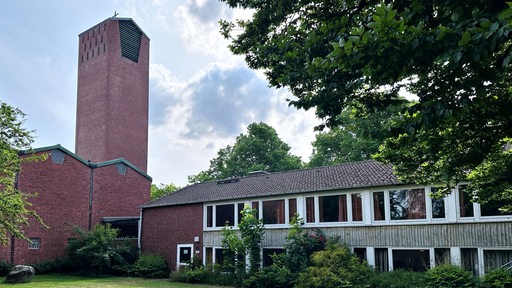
<point>334,267</point>
<point>162,190</point>
<point>398,279</point>
<point>358,138</point>
<point>4,268</point>
<point>276,275</point>
<point>150,266</point>
<point>99,251</point>
<point>449,276</point>
<point>246,242</point>
<point>14,204</point>
<point>301,244</point>
<point>189,275</point>
<point>49,266</point>
<point>454,56</point>
<point>497,278</point>
<point>260,149</point>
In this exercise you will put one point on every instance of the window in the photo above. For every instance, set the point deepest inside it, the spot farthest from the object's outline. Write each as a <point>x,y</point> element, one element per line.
<point>381,260</point>
<point>333,208</point>
<point>34,243</point>
<point>310,209</point>
<point>442,256</point>
<point>465,204</point>
<point>256,206</point>
<point>240,208</point>
<point>292,209</point>
<point>414,260</point>
<point>357,207</point>
<point>494,259</point>
<point>209,216</point>
<point>407,204</point>
<point>268,253</point>
<point>492,208</point>
<point>360,253</point>
<point>225,214</point>
<point>378,206</point>
<point>208,251</point>
<point>469,257</point>
<point>273,212</point>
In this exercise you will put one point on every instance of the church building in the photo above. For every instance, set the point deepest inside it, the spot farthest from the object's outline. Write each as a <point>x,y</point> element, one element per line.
<point>105,180</point>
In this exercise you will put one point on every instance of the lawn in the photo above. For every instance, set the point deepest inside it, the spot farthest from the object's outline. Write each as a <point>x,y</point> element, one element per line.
<point>57,280</point>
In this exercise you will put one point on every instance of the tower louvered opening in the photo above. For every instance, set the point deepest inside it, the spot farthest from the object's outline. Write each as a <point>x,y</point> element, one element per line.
<point>130,36</point>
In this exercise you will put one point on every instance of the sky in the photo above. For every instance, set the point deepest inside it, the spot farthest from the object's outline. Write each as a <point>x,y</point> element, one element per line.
<point>201,96</point>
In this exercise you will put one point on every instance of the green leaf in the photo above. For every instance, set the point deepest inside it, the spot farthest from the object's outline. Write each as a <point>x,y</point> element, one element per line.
<point>466,37</point>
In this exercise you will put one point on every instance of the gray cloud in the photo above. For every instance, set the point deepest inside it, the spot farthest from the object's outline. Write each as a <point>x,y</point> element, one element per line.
<point>224,100</point>
<point>207,12</point>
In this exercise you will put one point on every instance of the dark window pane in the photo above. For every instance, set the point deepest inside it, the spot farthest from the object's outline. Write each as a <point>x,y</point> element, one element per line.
<point>360,253</point>
<point>378,206</point>
<point>225,214</point>
<point>357,207</point>
<point>494,259</point>
<point>310,210</point>
<point>492,208</point>
<point>412,260</point>
<point>209,216</point>
<point>292,208</point>
<point>465,204</point>
<point>239,212</point>
<point>267,255</point>
<point>442,256</point>
<point>381,260</point>
<point>407,204</point>
<point>185,254</point>
<point>333,208</point>
<point>438,210</point>
<point>469,259</point>
<point>273,212</point>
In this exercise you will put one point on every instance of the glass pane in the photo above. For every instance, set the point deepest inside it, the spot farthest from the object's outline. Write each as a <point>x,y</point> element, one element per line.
<point>492,208</point>
<point>407,204</point>
<point>239,212</point>
<point>442,256</point>
<point>310,210</point>
<point>267,255</point>
<point>209,216</point>
<point>225,215</point>
<point>292,208</point>
<point>333,208</point>
<point>381,260</point>
<point>185,254</point>
<point>470,259</point>
<point>465,204</point>
<point>494,259</point>
<point>273,212</point>
<point>357,207</point>
<point>378,206</point>
<point>412,260</point>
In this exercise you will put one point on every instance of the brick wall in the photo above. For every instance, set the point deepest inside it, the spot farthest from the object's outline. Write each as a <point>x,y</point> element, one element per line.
<point>165,227</point>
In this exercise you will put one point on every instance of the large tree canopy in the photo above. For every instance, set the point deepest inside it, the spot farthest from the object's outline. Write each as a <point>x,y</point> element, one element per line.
<point>455,56</point>
<point>357,139</point>
<point>14,206</point>
<point>260,149</point>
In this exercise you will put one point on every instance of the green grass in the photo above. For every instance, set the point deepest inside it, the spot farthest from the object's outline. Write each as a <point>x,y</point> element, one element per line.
<point>67,281</point>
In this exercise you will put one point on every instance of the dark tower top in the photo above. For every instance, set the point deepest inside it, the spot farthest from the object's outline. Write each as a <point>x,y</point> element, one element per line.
<point>112,99</point>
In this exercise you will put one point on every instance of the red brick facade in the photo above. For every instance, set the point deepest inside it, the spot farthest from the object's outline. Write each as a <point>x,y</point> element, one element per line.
<point>165,227</point>
<point>112,99</point>
<point>62,200</point>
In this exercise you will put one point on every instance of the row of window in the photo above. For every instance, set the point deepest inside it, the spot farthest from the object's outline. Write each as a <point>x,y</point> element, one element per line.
<point>387,259</point>
<point>384,206</point>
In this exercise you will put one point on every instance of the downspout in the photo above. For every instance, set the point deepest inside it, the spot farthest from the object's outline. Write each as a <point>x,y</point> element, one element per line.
<point>91,189</point>
<point>140,230</point>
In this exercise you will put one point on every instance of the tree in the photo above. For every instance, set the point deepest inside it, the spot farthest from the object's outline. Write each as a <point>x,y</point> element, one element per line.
<point>455,56</point>
<point>161,190</point>
<point>14,204</point>
<point>358,139</point>
<point>260,149</point>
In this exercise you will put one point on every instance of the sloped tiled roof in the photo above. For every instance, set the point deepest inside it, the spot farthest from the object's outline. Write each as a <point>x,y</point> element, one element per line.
<point>344,176</point>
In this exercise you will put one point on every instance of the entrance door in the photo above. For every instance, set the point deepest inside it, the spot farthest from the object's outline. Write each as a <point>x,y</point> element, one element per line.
<point>184,254</point>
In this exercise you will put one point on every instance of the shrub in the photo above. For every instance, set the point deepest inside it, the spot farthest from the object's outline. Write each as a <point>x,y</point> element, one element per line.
<point>99,251</point>
<point>50,266</point>
<point>333,267</point>
<point>498,278</point>
<point>276,275</point>
<point>398,279</point>
<point>150,266</point>
<point>4,268</point>
<point>185,274</point>
<point>447,276</point>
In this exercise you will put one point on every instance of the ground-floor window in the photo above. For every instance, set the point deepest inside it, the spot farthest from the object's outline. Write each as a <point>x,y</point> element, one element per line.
<point>442,256</point>
<point>360,253</point>
<point>411,260</point>
<point>497,258</point>
<point>381,260</point>
<point>469,259</point>
<point>34,243</point>
<point>268,253</point>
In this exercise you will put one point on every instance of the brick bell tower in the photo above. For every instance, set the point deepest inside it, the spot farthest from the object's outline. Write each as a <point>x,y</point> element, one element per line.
<point>112,98</point>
